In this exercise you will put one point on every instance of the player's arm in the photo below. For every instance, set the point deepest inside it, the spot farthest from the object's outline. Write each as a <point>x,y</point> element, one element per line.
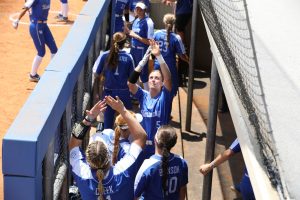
<point>132,34</point>
<point>15,23</point>
<point>163,65</point>
<point>134,76</point>
<point>184,57</point>
<point>206,168</point>
<point>168,2</point>
<point>80,129</point>
<point>182,192</point>
<point>137,132</point>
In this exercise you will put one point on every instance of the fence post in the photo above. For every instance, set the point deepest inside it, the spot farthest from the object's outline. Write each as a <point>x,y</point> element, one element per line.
<point>211,128</point>
<point>191,66</point>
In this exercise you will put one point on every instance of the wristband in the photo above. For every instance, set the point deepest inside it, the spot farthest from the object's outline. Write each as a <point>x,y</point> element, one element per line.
<point>160,59</point>
<point>88,119</point>
<point>212,165</point>
<point>134,76</point>
<point>100,127</point>
<point>79,130</point>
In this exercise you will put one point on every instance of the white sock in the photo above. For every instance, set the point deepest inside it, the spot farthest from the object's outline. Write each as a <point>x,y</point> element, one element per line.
<point>65,9</point>
<point>146,86</point>
<point>35,64</point>
<point>52,55</point>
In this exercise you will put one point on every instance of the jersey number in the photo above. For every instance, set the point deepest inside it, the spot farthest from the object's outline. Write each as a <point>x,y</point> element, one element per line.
<point>117,72</point>
<point>157,124</point>
<point>163,46</point>
<point>172,184</point>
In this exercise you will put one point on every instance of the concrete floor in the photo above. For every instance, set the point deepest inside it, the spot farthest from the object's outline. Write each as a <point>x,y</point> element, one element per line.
<point>191,145</point>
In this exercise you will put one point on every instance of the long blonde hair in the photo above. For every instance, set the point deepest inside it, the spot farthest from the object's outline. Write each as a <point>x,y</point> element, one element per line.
<point>120,121</point>
<point>97,155</point>
<point>169,21</point>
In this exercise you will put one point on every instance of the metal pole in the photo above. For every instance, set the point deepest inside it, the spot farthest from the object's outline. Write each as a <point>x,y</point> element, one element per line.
<point>191,66</point>
<point>211,128</point>
<point>48,171</point>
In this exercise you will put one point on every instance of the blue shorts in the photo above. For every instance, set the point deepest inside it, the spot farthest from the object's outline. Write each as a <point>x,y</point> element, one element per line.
<point>137,54</point>
<point>64,1</point>
<point>42,35</point>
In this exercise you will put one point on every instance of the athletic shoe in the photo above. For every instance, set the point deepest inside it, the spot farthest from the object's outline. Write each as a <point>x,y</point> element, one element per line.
<point>34,78</point>
<point>63,19</point>
<point>58,16</point>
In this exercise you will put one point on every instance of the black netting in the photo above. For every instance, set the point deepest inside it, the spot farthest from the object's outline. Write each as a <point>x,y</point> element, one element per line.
<point>229,25</point>
<point>56,162</point>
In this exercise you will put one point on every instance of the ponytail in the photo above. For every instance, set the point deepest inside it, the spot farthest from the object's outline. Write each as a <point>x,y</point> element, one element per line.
<point>116,145</point>
<point>113,57</point>
<point>169,21</point>
<point>169,29</point>
<point>166,139</point>
<point>98,158</point>
<point>119,40</point>
<point>164,166</point>
<point>100,176</point>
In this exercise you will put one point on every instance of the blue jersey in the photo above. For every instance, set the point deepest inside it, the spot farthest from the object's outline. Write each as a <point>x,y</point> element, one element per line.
<point>184,7</point>
<point>145,29</point>
<point>39,9</point>
<point>133,3</point>
<point>148,181</point>
<point>155,112</point>
<point>119,9</point>
<point>108,135</point>
<point>235,146</point>
<point>115,79</point>
<point>245,184</point>
<point>120,6</point>
<point>169,50</point>
<point>118,182</point>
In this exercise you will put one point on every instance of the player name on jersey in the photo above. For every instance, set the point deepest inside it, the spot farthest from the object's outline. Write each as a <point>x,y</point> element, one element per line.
<point>151,114</point>
<point>171,170</point>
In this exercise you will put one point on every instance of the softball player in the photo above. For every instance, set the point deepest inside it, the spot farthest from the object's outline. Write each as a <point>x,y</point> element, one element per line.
<point>95,177</point>
<point>142,31</point>
<point>245,186</point>
<point>164,175</point>
<point>63,15</point>
<point>39,31</point>
<point>117,140</point>
<point>132,5</point>
<point>170,44</point>
<point>116,66</point>
<point>120,6</point>
<point>154,105</point>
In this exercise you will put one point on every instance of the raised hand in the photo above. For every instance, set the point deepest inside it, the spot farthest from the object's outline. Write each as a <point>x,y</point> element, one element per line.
<point>155,48</point>
<point>98,108</point>
<point>116,104</point>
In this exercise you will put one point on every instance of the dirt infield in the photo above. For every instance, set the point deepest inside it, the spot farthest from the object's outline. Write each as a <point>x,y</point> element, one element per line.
<point>17,52</point>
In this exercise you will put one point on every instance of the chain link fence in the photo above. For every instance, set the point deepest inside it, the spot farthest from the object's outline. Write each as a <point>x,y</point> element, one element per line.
<point>229,25</point>
<point>56,175</point>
